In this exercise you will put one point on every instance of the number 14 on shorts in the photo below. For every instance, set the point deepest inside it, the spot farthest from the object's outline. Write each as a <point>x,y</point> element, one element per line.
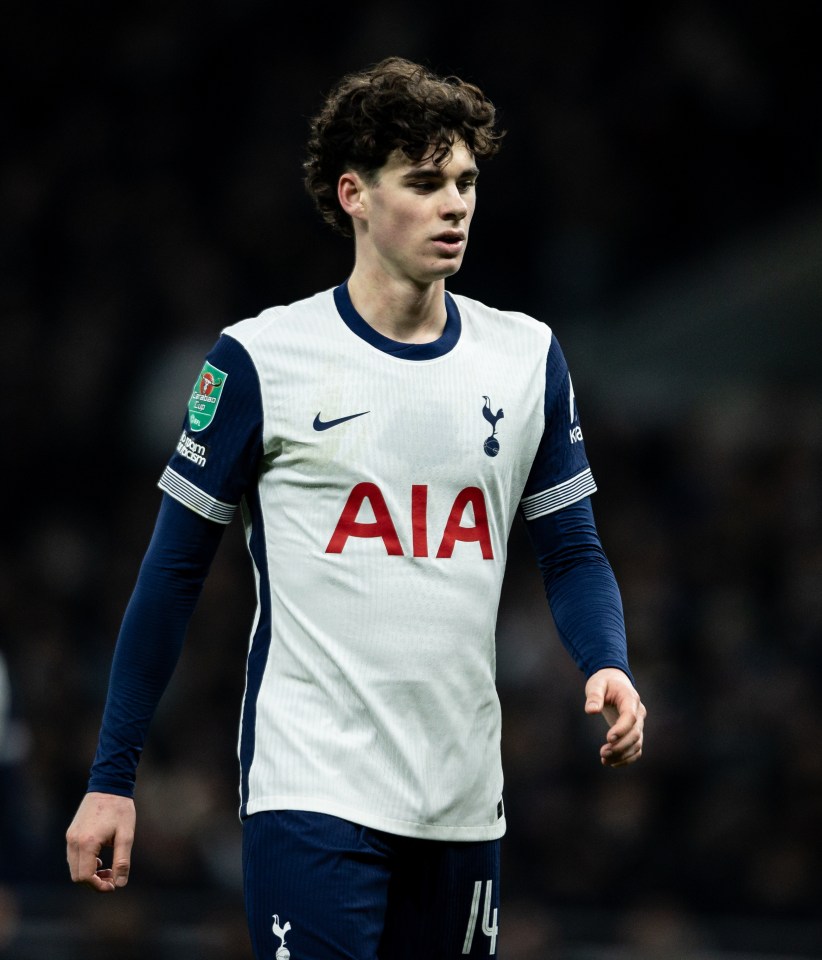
<point>489,923</point>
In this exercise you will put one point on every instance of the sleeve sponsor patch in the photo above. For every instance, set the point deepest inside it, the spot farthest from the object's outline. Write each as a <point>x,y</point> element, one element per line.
<point>205,397</point>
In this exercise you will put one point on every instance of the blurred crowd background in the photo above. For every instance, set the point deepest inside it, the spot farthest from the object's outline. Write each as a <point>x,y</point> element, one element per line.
<point>658,202</point>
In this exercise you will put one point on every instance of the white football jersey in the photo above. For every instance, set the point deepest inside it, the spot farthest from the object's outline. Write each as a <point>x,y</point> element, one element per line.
<point>378,483</point>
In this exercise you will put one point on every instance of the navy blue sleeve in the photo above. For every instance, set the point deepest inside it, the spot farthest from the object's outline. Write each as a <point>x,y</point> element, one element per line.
<point>217,457</point>
<point>151,638</point>
<point>581,587</point>
<point>560,473</point>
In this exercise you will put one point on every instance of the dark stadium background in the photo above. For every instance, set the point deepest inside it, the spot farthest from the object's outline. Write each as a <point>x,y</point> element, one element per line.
<point>659,204</point>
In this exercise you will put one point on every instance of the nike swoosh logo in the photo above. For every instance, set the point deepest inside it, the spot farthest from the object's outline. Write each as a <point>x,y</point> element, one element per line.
<point>327,424</point>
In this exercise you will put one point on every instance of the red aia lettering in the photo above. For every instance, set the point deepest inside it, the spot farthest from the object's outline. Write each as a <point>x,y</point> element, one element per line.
<point>419,518</point>
<point>383,525</point>
<point>455,531</point>
<point>348,525</point>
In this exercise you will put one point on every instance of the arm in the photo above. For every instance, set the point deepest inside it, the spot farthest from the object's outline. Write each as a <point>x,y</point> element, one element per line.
<point>205,480</point>
<point>148,647</point>
<point>587,609</point>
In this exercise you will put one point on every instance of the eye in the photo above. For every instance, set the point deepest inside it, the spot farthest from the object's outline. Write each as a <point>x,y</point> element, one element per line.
<point>466,185</point>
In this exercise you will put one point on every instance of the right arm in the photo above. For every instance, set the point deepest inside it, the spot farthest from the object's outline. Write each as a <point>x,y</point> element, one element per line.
<point>148,647</point>
<point>204,482</point>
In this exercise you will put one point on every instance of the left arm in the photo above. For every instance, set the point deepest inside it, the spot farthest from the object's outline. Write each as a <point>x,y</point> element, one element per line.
<point>587,608</point>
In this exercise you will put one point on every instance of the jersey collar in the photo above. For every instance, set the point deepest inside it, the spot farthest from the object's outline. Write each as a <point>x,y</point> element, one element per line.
<point>404,351</point>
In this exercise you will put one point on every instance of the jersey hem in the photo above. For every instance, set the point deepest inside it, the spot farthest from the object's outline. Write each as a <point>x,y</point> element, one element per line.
<point>400,828</point>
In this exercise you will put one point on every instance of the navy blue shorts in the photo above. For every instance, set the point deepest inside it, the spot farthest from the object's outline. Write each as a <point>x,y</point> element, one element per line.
<point>321,888</point>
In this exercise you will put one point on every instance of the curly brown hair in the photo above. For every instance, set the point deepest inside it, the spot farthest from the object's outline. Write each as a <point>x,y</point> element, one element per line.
<point>395,104</point>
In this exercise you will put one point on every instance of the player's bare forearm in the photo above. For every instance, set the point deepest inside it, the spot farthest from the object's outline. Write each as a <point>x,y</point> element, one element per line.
<point>611,693</point>
<point>102,820</point>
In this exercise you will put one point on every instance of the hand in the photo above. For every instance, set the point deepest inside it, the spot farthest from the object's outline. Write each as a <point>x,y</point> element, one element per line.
<point>102,820</point>
<point>611,693</point>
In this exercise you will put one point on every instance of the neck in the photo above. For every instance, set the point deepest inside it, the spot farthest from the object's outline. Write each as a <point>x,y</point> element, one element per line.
<point>402,311</point>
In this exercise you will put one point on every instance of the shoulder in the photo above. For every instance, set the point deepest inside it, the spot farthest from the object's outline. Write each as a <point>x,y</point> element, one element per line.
<point>276,321</point>
<point>511,323</point>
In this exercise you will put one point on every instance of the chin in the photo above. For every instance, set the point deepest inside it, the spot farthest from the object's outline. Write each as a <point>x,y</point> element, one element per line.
<point>447,268</point>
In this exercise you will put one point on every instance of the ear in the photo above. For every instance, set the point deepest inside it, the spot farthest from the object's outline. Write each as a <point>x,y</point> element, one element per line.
<point>351,192</point>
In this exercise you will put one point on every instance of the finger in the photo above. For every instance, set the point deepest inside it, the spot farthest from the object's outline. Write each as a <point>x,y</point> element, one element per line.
<point>84,864</point>
<point>121,860</point>
<point>615,752</point>
<point>624,739</point>
<point>612,755</point>
<point>100,882</point>
<point>100,879</point>
<point>623,760</point>
<point>631,715</point>
<point>623,726</point>
<point>82,858</point>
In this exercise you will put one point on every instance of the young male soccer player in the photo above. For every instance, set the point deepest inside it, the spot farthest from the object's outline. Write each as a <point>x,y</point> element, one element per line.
<point>379,438</point>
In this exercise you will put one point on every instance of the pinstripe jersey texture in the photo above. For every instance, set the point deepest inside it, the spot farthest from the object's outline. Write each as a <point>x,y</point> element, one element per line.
<point>378,484</point>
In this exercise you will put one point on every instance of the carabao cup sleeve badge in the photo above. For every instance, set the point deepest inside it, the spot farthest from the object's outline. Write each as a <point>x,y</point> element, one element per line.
<point>205,397</point>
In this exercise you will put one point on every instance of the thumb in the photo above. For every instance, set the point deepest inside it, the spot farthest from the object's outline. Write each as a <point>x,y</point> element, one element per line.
<point>121,861</point>
<point>594,698</point>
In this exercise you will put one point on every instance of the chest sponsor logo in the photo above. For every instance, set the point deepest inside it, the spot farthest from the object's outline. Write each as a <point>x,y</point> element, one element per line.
<point>191,450</point>
<point>469,505</point>
<point>205,397</point>
<point>491,445</point>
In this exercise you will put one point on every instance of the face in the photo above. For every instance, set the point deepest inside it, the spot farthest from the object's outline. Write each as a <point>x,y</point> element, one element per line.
<point>414,217</point>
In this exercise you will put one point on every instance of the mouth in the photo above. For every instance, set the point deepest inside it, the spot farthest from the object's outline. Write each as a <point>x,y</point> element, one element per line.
<point>451,241</point>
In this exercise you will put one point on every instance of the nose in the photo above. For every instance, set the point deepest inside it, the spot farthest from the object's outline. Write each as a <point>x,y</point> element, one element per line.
<point>454,207</point>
